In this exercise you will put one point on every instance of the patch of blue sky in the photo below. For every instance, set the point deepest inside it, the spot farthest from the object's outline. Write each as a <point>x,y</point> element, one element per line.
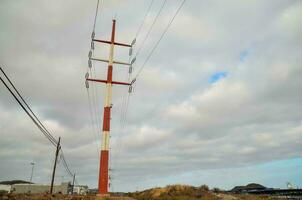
<point>244,54</point>
<point>217,76</point>
<point>271,174</point>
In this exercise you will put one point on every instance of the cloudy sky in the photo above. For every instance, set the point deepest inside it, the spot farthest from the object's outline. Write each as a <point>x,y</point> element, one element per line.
<point>218,103</point>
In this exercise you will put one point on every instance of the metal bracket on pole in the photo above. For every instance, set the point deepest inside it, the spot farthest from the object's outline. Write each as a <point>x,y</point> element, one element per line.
<point>115,43</point>
<point>114,62</point>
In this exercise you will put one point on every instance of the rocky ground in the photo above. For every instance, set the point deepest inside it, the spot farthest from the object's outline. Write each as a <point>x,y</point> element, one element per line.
<point>172,192</point>
<point>184,192</point>
<point>57,197</point>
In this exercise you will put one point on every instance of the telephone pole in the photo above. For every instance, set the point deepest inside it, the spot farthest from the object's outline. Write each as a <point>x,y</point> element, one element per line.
<point>73,183</point>
<point>55,166</point>
<point>103,184</point>
<point>32,171</point>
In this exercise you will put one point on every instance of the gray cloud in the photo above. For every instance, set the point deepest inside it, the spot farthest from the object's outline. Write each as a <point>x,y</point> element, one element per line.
<point>177,120</point>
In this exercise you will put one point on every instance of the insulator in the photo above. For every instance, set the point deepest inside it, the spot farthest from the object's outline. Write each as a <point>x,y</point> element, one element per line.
<point>133,81</point>
<point>130,89</point>
<point>86,75</point>
<point>130,69</point>
<point>90,54</point>
<point>89,63</point>
<point>92,45</point>
<point>130,51</point>
<point>87,84</point>
<point>92,35</point>
<point>133,61</point>
<point>133,42</point>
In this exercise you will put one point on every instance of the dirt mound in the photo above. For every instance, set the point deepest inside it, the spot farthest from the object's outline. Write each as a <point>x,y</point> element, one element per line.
<point>181,192</point>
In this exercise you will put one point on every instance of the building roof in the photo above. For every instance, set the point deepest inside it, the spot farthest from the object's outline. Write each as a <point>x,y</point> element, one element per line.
<point>248,187</point>
<point>14,182</point>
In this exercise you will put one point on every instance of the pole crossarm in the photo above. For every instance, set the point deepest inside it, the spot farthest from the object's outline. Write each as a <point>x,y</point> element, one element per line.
<point>105,81</point>
<point>114,62</point>
<point>115,43</point>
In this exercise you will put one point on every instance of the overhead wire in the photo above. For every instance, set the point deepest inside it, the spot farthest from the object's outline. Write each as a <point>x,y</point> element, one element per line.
<point>92,123</point>
<point>34,119</point>
<point>151,27</point>
<point>53,139</point>
<point>93,105</point>
<point>161,37</point>
<point>144,19</point>
<point>126,98</point>
<point>152,51</point>
<point>124,112</point>
<point>95,93</point>
<point>32,116</point>
<point>96,14</point>
<point>65,164</point>
<point>126,102</point>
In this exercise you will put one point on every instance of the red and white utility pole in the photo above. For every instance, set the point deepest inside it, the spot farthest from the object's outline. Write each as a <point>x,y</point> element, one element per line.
<point>104,159</point>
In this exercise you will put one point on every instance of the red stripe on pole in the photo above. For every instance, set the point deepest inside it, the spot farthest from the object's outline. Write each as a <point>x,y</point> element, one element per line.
<point>103,177</point>
<point>113,32</point>
<point>106,119</point>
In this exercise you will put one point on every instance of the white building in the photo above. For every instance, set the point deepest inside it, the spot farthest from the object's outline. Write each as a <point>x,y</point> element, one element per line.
<point>64,188</point>
<point>5,188</point>
<point>80,189</point>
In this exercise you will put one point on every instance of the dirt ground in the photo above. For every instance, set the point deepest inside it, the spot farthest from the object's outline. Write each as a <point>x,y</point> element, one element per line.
<point>56,197</point>
<point>74,197</point>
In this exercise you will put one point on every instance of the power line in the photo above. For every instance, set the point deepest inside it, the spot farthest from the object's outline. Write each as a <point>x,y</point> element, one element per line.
<point>39,122</point>
<point>45,133</point>
<point>126,99</point>
<point>95,105</point>
<point>96,14</point>
<point>161,37</point>
<point>65,163</point>
<point>35,119</point>
<point>144,19</point>
<point>92,123</point>
<point>151,27</point>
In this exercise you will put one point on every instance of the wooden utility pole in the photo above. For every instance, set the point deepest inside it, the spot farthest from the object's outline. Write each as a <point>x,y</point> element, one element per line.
<point>55,166</point>
<point>73,183</point>
<point>104,159</point>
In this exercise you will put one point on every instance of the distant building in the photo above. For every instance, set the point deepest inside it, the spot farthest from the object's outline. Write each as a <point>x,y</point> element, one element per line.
<point>93,191</point>
<point>252,187</point>
<point>80,189</point>
<point>64,188</point>
<point>5,188</point>
<point>7,185</point>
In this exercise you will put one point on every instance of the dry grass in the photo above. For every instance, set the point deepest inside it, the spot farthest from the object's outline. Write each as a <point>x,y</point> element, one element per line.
<point>170,192</point>
<point>185,192</point>
<point>175,192</point>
